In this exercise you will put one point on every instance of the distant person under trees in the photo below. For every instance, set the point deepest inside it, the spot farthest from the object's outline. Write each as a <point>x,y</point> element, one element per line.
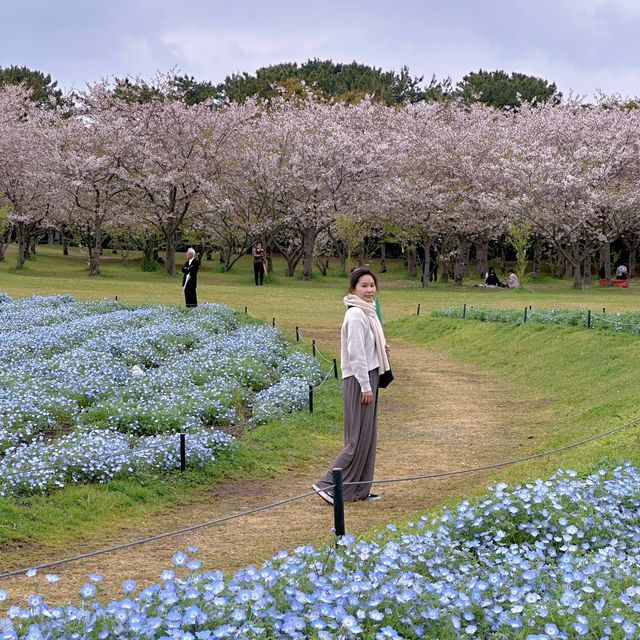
<point>512,280</point>
<point>491,279</point>
<point>190,278</point>
<point>433,263</point>
<point>621,272</point>
<point>259,263</point>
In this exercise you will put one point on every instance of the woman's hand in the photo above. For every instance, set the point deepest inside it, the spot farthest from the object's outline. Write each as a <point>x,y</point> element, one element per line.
<point>387,349</point>
<point>366,397</point>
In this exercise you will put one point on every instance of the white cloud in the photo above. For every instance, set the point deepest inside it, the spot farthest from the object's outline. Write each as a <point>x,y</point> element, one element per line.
<point>135,50</point>
<point>200,47</point>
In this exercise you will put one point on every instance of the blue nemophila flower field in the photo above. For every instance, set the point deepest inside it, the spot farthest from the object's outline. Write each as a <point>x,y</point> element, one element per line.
<point>551,559</point>
<point>92,389</point>
<point>624,322</point>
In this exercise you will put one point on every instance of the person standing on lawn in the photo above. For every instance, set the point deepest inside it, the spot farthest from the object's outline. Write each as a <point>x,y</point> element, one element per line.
<point>363,357</point>
<point>259,262</point>
<point>190,278</point>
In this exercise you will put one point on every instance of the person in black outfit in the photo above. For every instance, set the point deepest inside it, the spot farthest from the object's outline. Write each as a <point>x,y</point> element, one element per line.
<point>433,264</point>
<point>190,278</point>
<point>492,279</point>
<point>259,257</point>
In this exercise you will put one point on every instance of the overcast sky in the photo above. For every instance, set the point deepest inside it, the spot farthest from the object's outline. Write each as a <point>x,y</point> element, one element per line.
<point>581,45</point>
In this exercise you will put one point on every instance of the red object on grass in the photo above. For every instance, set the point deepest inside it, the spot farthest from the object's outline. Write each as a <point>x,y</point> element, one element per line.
<point>615,283</point>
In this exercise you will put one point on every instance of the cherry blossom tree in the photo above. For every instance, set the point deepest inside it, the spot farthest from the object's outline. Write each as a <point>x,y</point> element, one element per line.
<point>173,156</point>
<point>25,184</point>
<point>88,151</point>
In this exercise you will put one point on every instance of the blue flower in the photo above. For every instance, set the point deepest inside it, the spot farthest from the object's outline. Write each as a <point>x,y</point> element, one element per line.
<point>87,590</point>
<point>128,586</point>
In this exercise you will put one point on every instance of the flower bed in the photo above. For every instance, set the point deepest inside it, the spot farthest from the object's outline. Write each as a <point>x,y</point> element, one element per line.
<point>626,321</point>
<point>89,389</point>
<point>552,559</point>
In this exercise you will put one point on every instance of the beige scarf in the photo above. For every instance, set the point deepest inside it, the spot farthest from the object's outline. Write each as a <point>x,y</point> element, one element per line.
<point>369,308</point>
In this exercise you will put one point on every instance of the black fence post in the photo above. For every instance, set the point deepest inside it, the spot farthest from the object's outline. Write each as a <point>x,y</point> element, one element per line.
<point>273,322</point>
<point>464,309</point>
<point>183,452</point>
<point>245,309</point>
<point>604,310</point>
<point>116,298</point>
<point>313,347</point>
<point>338,502</point>
<point>525,314</point>
<point>588,318</point>
<point>297,335</point>
<point>335,369</point>
<point>310,398</point>
<point>418,312</point>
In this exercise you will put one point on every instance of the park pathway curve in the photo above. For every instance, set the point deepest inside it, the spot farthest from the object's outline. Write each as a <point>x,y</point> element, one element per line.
<point>438,415</point>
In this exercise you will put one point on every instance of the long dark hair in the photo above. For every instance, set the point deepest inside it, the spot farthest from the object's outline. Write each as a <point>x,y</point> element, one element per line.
<point>357,273</point>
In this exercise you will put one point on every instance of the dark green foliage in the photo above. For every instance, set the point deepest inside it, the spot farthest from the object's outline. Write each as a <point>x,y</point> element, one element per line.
<point>44,91</point>
<point>194,92</point>
<point>149,264</point>
<point>500,90</point>
<point>346,82</point>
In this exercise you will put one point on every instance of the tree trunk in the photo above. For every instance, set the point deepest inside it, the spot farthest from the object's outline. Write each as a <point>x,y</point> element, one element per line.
<point>537,256</point>
<point>63,240</point>
<point>568,269</point>
<point>308,245</point>
<point>560,265</point>
<point>605,259</point>
<point>632,241</point>
<point>292,257</point>
<point>322,262</point>
<point>577,277</point>
<point>22,238</point>
<point>422,251</point>
<point>503,257</point>
<point>383,257</point>
<point>482,257</point>
<point>462,261</point>
<point>411,261</point>
<point>170,253</point>
<point>574,264</point>
<point>269,261</point>
<point>95,251</point>
<point>586,271</point>
<point>5,238</point>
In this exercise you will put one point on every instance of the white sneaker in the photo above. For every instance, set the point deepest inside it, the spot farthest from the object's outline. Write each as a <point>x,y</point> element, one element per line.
<point>327,496</point>
<point>371,497</point>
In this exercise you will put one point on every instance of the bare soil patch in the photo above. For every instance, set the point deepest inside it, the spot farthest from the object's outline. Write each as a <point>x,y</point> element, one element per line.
<point>438,415</point>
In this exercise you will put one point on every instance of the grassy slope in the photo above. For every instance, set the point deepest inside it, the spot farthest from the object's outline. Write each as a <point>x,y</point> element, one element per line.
<point>584,382</point>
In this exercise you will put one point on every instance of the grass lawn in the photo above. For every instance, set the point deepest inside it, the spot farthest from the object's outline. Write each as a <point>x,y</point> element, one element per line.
<point>584,382</point>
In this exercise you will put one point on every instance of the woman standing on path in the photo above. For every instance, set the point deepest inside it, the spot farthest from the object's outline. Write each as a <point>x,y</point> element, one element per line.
<point>363,357</point>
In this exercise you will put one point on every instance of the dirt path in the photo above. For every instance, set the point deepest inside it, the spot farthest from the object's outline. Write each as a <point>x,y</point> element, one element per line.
<point>438,415</point>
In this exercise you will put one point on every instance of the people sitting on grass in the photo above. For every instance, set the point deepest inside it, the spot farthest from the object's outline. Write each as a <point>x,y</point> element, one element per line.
<point>512,280</point>
<point>491,279</point>
<point>621,272</point>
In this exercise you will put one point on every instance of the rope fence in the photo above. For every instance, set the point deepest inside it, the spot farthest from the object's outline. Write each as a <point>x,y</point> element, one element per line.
<point>590,319</point>
<point>338,501</point>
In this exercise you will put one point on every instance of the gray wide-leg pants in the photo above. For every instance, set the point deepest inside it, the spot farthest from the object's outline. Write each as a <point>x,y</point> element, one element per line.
<point>357,459</point>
